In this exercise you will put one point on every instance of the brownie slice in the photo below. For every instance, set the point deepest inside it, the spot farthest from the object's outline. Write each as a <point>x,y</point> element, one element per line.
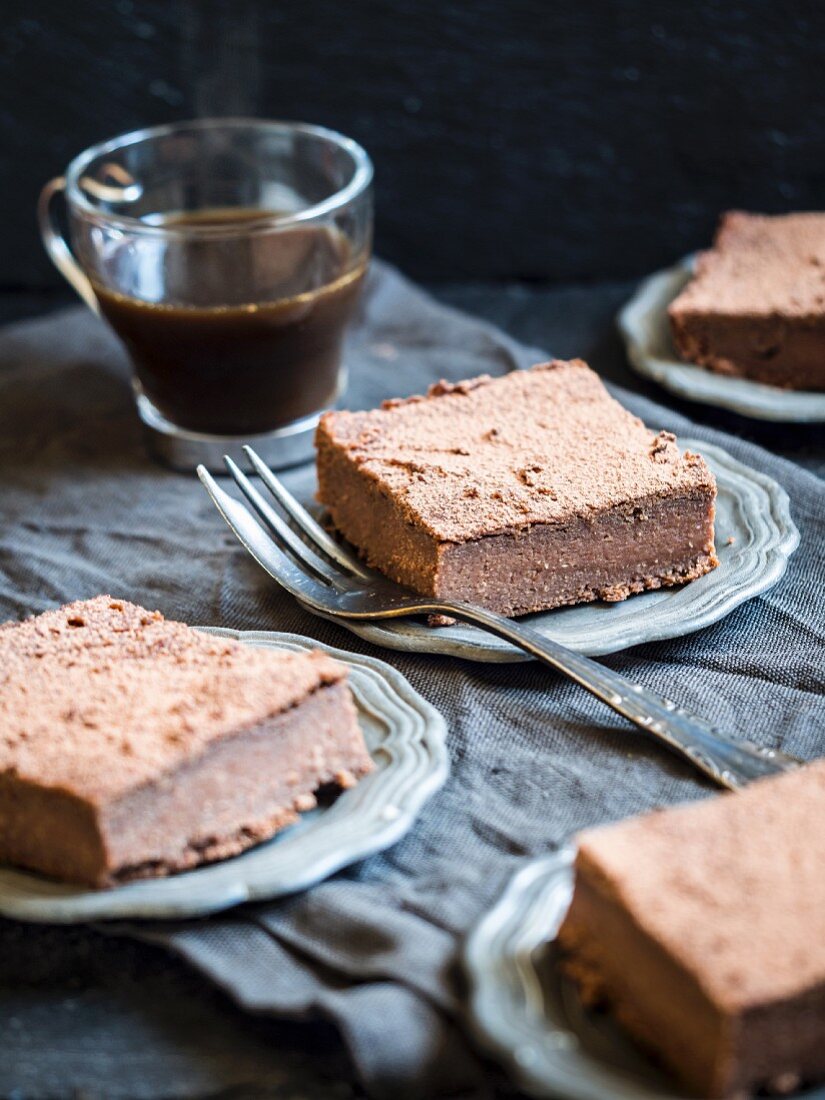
<point>518,493</point>
<point>703,928</point>
<point>756,305</point>
<point>131,746</point>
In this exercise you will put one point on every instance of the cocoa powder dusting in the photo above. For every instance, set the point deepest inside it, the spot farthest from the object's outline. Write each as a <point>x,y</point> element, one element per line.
<point>102,695</point>
<point>493,455</point>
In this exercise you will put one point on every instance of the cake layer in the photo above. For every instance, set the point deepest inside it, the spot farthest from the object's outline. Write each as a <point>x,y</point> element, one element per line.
<point>706,935</point>
<point>609,556</point>
<point>519,493</point>
<point>134,746</point>
<point>756,305</point>
<point>616,965</point>
<point>239,791</point>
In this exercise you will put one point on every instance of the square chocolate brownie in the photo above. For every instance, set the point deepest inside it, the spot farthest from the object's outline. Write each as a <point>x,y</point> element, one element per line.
<point>131,746</point>
<point>702,928</point>
<point>519,493</point>
<point>755,307</point>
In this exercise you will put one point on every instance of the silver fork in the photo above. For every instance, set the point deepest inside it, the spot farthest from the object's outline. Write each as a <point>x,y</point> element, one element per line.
<point>326,578</point>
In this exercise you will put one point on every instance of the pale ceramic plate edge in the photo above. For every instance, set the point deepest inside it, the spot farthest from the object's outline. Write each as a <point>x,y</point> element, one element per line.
<point>640,322</point>
<point>168,896</point>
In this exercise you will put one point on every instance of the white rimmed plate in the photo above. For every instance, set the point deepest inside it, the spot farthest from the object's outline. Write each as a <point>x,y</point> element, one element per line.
<point>755,536</point>
<point>528,1015</point>
<point>644,325</point>
<point>405,736</point>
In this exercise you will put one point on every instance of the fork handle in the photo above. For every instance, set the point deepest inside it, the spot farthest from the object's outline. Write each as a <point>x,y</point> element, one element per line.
<point>729,763</point>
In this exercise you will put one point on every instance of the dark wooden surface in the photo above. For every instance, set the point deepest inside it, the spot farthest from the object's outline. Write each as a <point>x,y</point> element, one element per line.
<point>516,139</point>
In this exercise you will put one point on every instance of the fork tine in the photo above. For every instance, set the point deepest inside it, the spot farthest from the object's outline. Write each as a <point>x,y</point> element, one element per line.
<point>300,516</point>
<point>282,530</point>
<point>269,556</point>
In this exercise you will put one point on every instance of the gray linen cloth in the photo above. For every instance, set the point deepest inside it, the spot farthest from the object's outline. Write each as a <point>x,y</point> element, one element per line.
<point>375,948</point>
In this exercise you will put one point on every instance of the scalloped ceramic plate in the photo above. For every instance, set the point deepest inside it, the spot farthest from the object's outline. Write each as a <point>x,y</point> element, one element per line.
<point>643,323</point>
<point>529,1017</point>
<point>752,511</point>
<point>406,739</point>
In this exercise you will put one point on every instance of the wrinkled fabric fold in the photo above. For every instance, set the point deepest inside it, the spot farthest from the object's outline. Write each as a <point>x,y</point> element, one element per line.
<point>376,949</point>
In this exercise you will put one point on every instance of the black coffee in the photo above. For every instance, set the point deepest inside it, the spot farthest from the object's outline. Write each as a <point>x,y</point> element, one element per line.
<point>268,354</point>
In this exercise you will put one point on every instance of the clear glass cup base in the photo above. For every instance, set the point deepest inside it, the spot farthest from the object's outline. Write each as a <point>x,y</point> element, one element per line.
<point>183,450</point>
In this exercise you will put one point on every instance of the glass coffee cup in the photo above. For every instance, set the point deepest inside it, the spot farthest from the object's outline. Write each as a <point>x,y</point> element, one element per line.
<point>228,255</point>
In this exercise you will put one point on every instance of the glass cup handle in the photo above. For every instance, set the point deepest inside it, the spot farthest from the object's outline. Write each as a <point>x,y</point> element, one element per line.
<point>56,246</point>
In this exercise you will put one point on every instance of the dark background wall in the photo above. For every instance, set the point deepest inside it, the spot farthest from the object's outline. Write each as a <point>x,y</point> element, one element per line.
<point>512,138</point>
